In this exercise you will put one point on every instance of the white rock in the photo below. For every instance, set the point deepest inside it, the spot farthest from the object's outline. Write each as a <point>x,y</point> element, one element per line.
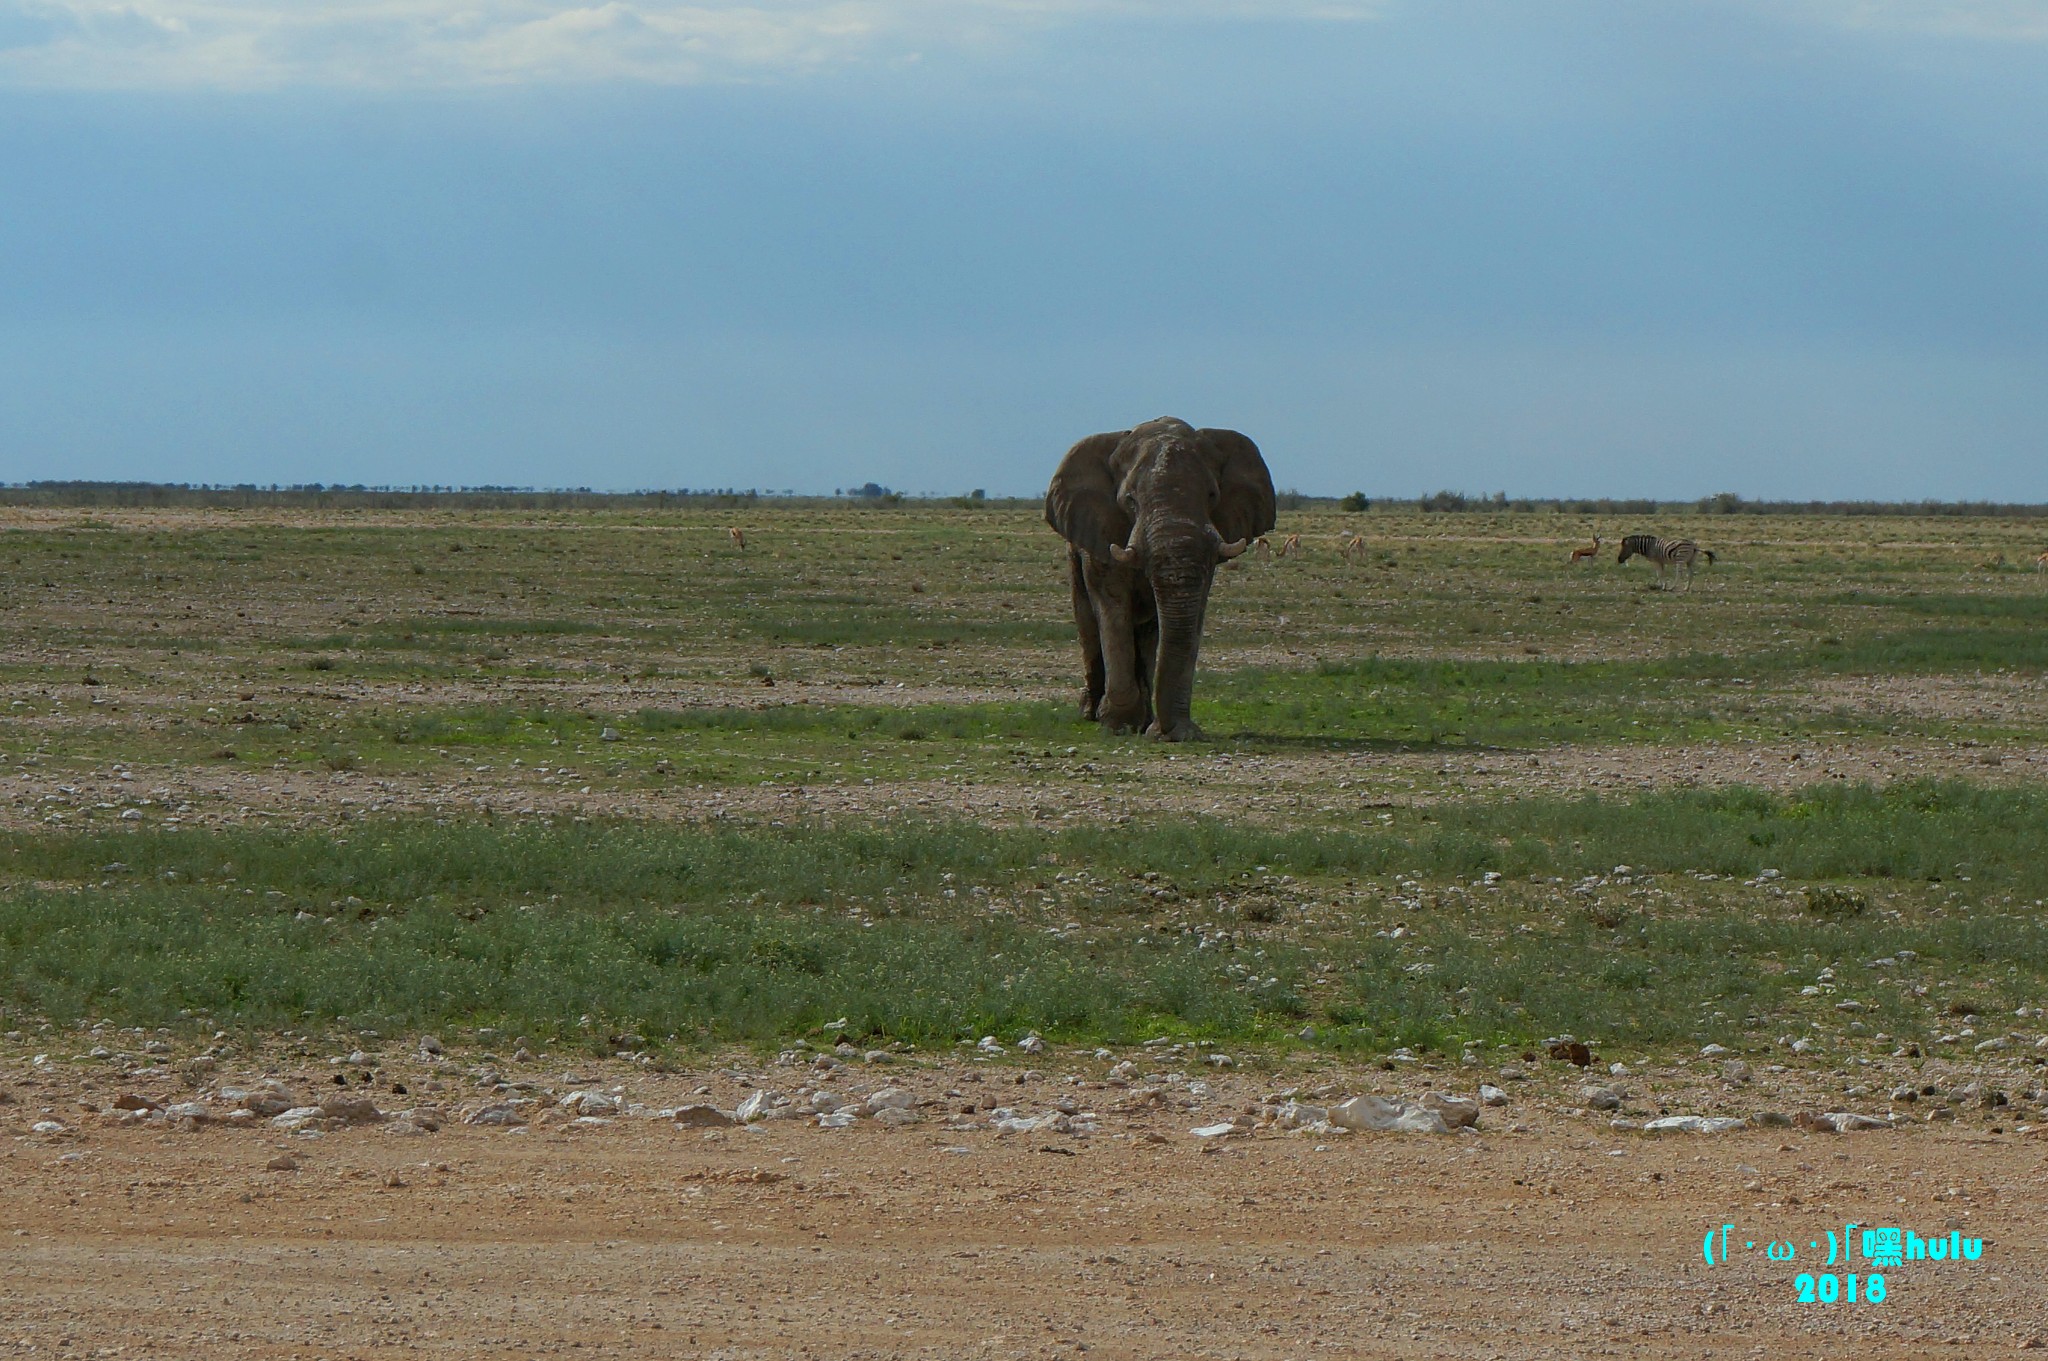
<point>1490,1095</point>
<point>1991,1044</point>
<point>1735,1070</point>
<point>1714,1051</point>
<point>1695,1124</point>
<point>1848,1122</point>
<point>1213,1131</point>
<point>47,1127</point>
<point>1032,1044</point>
<point>503,1113</point>
<point>761,1105</point>
<point>430,1045</point>
<point>891,1099</point>
<point>197,1111</point>
<point>590,1103</point>
<point>836,1119</point>
<point>1601,1098</point>
<point>896,1117</point>
<point>298,1117</point>
<point>1296,1115</point>
<point>1364,1113</point>
<point>825,1102</point>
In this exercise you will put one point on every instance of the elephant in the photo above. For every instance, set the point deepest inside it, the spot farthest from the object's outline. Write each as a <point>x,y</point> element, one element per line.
<point>1147,514</point>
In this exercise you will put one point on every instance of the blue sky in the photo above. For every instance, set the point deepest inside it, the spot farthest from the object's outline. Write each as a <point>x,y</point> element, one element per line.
<point>1787,249</point>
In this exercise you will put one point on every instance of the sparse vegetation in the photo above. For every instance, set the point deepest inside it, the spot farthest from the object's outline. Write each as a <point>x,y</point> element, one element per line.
<point>446,669</point>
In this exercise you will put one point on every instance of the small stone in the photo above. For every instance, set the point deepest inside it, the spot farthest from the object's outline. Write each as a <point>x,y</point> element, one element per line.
<point>1600,1098</point>
<point>609,735</point>
<point>47,1127</point>
<point>502,1113</point>
<point>1513,1072</point>
<point>703,1117</point>
<point>1213,1131</point>
<point>1032,1044</point>
<point>393,1179</point>
<point>198,1112</point>
<point>1573,1052</point>
<point>430,1044</point>
<point>760,1105</point>
<point>836,1119</point>
<point>1456,1111</point>
<point>128,1101</point>
<point>283,1162</point>
<point>1714,1051</point>
<point>1490,1095</point>
<point>895,1117</point>
<point>1735,1070</point>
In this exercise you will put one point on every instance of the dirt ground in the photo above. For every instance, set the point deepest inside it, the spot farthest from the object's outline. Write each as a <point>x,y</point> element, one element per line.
<point>1117,1232</point>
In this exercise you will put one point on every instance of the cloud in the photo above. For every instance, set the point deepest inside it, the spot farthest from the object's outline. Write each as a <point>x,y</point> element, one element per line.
<point>258,44</point>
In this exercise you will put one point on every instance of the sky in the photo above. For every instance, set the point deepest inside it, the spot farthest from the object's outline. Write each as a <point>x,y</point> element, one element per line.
<point>1784,248</point>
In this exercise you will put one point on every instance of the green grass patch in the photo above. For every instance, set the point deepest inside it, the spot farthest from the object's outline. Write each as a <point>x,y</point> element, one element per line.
<point>939,931</point>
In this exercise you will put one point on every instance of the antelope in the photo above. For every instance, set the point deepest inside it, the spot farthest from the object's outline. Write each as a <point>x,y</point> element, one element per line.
<point>1676,553</point>
<point>1581,554</point>
<point>739,540</point>
<point>2041,563</point>
<point>1349,543</point>
<point>1292,544</point>
<point>1262,546</point>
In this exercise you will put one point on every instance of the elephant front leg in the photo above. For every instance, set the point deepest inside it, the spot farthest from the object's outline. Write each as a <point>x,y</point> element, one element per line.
<point>1091,636</point>
<point>1113,591</point>
<point>1145,634</point>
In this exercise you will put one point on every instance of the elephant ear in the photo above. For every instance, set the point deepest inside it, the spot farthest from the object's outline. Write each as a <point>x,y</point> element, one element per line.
<point>1081,503</point>
<point>1244,489</point>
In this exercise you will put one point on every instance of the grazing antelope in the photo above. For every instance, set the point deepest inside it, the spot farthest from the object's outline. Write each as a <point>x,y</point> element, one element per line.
<point>1675,553</point>
<point>1291,544</point>
<point>1349,543</point>
<point>739,540</point>
<point>1581,554</point>
<point>1262,546</point>
<point>2041,563</point>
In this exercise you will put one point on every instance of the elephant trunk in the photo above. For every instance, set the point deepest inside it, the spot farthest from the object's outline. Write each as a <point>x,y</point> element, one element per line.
<point>1180,644</point>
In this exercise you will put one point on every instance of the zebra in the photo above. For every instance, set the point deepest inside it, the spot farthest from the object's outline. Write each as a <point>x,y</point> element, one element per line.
<point>1672,553</point>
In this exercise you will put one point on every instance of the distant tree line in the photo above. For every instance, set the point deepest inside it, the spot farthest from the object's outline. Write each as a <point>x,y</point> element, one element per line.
<point>315,495</point>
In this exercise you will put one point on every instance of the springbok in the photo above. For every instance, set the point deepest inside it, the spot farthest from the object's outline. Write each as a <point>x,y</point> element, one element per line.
<point>1292,544</point>
<point>739,540</point>
<point>1349,543</point>
<point>1581,554</point>
<point>2041,563</point>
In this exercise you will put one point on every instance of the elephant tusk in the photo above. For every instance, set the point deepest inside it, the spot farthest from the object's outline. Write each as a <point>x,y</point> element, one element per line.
<point>1126,556</point>
<point>1226,551</point>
